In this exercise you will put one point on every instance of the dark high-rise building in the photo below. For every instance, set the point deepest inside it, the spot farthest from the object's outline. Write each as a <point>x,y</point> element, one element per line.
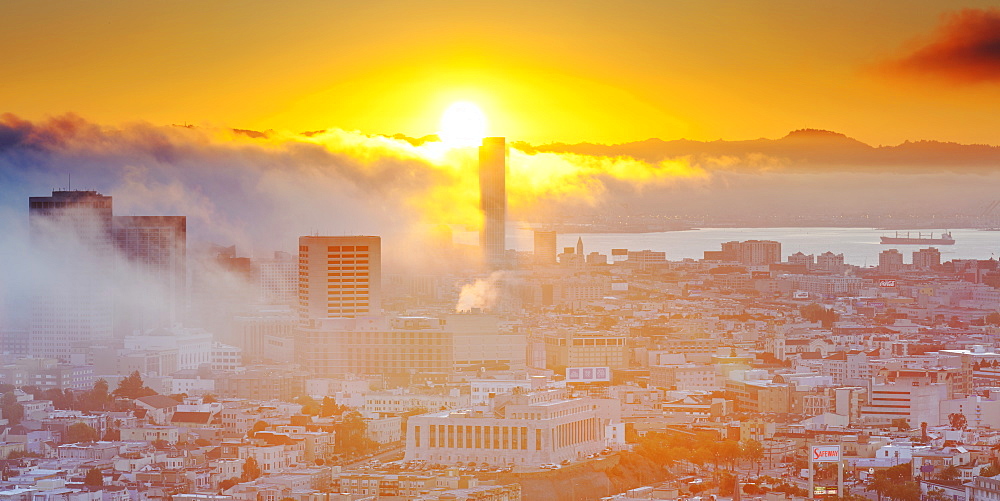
<point>493,199</point>
<point>72,289</point>
<point>545,247</point>
<point>153,272</point>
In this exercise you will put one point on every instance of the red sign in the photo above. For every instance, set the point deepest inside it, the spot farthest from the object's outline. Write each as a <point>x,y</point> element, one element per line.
<point>886,283</point>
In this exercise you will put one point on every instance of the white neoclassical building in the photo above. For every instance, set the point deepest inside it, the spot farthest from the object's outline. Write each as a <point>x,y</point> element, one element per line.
<point>517,429</point>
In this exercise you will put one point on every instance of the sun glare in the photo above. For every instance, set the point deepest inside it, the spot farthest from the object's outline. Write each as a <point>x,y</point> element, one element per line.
<point>463,124</point>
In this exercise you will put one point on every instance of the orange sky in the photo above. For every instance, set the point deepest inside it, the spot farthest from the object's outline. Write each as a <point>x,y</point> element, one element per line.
<point>543,71</point>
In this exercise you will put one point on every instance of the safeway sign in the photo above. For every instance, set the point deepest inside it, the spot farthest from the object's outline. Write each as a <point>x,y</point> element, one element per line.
<point>825,453</point>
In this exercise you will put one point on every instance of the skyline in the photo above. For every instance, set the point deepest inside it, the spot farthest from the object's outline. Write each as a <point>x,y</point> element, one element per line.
<point>542,73</point>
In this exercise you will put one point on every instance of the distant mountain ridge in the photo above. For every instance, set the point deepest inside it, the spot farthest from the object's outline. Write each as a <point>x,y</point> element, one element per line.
<point>799,149</point>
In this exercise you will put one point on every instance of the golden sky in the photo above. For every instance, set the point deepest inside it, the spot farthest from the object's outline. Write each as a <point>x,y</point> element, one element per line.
<point>568,71</point>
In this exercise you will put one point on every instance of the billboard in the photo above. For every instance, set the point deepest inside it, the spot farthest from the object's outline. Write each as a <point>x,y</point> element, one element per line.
<point>801,295</point>
<point>588,374</point>
<point>824,453</point>
<point>885,282</point>
<point>822,490</point>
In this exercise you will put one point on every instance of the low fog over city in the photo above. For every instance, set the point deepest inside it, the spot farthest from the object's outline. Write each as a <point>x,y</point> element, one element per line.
<point>500,251</point>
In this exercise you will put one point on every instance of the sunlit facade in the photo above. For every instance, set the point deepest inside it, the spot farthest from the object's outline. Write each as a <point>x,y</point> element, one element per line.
<point>339,277</point>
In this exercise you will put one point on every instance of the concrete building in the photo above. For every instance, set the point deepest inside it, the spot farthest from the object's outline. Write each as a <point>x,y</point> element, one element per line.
<point>266,334</point>
<point>192,346</point>
<point>917,400</point>
<point>278,278</point>
<point>750,252</point>
<point>493,199</point>
<point>890,261</point>
<point>829,261</point>
<point>47,373</point>
<point>522,429</point>
<point>152,290</point>
<point>339,277</point>
<point>545,247</point>
<point>646,259</point>
<point>925,259</point>
<point>807,260</point>
<point>407,346</point>
<point>567,349</point>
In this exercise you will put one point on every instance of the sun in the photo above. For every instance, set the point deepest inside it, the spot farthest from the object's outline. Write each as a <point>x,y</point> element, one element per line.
<point>463,124</point>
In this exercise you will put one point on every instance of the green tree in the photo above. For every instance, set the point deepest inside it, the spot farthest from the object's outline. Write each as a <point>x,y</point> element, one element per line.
<point>352,434</point>
<point>895,483</point>
<point>309,405</point>
<point>817,313</point>
<point>227,483</point>
<point>13,412</point>
<point>957,420</point>
<point>132,387</point>
<point>258,426</point>
<point>80,432</point>
<point>94,478</point>
<point>97,398</point>
<point>251,470</point>
<point>992,318</point>
<point>330,407</point>
<point>752,451</point>
<point>209,398</point>
<point>949,475</point>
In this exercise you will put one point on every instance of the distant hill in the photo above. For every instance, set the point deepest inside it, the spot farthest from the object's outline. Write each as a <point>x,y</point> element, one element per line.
<point>804,149</point>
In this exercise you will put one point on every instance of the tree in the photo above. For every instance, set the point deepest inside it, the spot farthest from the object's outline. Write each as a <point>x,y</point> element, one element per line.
<point>251,471</point>
<point>895,483</point>
<point>990,471</point>
<point>330,407</point>
<point>80,432</point>
<point>901,424</point>
<point>94,478</point>
<point>13,412</point>
<point>752,451</point>
<point>309,405</point>
<point>817,313</point>
<point>949,475</point>
<point>351,434</point>
<point>132,387</point>
<point>227,483</point>
<point>993,318</point>
<point>209,398</point>
<point>957,420</point>
<point>258,426</point>
<point>97,398</point>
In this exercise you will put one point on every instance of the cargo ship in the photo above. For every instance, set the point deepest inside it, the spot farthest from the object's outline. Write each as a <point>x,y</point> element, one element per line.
<point>920,239</point>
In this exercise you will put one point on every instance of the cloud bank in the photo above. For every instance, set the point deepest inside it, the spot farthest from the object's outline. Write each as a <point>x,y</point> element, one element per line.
<point>965,48</point>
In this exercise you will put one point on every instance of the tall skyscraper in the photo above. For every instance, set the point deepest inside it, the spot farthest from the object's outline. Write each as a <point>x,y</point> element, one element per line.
<point>339,277</point>
<point>493,199</point>
<point>152,272</point>
<point>72,293</point>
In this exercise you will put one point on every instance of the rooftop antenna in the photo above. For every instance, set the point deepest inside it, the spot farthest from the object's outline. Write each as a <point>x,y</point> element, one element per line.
<point>69,180</point>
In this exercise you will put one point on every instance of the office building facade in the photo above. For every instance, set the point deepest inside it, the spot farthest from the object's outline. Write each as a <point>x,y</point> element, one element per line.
<point>72,290</point>
<point>339,277</point>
